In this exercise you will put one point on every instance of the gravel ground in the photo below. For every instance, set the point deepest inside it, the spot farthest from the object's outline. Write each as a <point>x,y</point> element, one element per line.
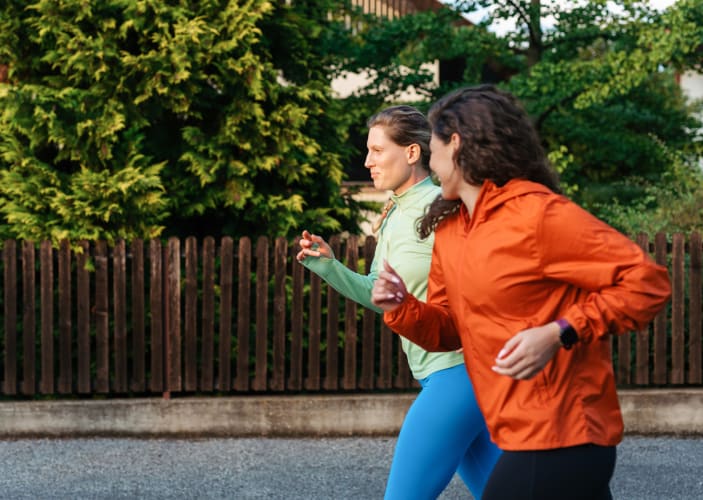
<point>340,468</point>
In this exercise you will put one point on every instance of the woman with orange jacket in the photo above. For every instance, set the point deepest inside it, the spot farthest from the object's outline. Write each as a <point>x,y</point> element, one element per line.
<point>531,287</point>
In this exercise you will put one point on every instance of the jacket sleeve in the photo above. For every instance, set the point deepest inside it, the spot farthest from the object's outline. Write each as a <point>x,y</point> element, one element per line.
<point>352,285</point>
<point>428,324</point>
<point>620,288</point>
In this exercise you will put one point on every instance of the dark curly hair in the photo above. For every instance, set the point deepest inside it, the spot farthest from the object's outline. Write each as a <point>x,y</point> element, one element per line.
<point>498,143</point>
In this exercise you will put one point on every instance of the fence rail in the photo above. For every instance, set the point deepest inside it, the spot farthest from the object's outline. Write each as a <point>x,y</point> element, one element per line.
<point>187,317</point>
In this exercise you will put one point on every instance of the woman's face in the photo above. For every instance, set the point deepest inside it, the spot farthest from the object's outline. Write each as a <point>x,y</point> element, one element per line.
<point>443,165</point>
<point>388,162</point>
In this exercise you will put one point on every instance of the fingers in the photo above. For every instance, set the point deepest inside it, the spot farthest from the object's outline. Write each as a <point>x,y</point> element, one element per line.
<point>312,240</point>
<point>516,359</point>
<point>316,239</point>
<point>306,240</point>
<point>392,281</point>
<point>510,360</point>
<point>524,373</point>
<point>300,256</point>
<point>311,246</point>
<point>382,292</point>
<point>517,368</point>
<point>509,347</point>
<point>526,354</point>
<point>388,289</point>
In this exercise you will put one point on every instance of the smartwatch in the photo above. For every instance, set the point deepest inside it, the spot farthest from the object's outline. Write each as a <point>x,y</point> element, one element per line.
<point>567,335</point>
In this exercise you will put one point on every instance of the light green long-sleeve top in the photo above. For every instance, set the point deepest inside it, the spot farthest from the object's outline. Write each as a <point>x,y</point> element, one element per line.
<point>410,256</point>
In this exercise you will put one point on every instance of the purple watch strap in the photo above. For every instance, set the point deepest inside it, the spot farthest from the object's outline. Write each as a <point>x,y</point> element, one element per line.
<point>563,324</point>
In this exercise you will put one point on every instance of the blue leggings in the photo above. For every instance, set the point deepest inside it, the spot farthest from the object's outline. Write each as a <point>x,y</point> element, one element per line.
<point>444,432</point>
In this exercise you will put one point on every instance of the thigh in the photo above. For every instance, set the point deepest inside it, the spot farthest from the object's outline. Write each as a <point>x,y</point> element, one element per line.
<point>477,463</point>
<point>578,472</point>
<point>439,427</point>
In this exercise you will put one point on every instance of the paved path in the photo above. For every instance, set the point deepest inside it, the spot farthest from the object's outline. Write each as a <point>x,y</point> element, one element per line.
<point>338,468</point>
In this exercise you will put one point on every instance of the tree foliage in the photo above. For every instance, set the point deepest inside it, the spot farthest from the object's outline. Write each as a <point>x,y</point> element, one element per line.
<point>146,118</point>
<point>599,79</point>
<point>139,118</point>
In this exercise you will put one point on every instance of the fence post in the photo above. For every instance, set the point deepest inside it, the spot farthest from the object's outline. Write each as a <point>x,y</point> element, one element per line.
<point>208,325</point>
<point>9,254</point>
<point>137,292</point>
<point>642,336</point>
<point>660,341</point>
<point>350,330</point>
<point>224,372</point>
<point>332,327</point>
<point>295,379</point>
<point>695,372</point>
<point>157,308</point>
<point>368,336</point>
<point>190,341</point>
<point>46,255</point>
<point>173,316</point>
<point>83,318</point>
<point>119,294</point>
<point>312,382</point>
<point>28,318</point>
<point>65,351</point>
<point>241,382</point>
<point>677,309</point>
<point>279,315</point>
<point>102,347</point>
<point>262,283</point>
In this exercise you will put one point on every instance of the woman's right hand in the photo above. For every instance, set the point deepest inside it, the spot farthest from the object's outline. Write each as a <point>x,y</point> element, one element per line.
<point>312,245</point>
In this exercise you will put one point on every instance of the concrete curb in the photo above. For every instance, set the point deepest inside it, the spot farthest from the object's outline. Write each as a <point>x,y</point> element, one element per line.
<point>650,412</point>
<point>663,411</point>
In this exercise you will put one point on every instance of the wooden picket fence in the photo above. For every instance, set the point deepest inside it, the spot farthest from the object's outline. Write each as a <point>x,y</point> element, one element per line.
<point>203,317</point>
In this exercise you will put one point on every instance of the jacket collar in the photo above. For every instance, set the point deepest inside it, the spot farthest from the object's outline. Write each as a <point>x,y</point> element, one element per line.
<point>492,197</point>
<point>413,193</point>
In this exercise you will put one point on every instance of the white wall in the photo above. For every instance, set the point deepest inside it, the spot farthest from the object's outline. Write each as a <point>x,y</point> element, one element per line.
<point>692,84</point>
<point>347,84</point>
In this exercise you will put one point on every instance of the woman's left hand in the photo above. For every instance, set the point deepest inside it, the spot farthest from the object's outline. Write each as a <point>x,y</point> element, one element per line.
<point>524,355</point>
<point>389,289</point>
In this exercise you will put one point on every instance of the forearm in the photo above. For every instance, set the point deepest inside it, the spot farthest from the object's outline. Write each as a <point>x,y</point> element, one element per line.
<point>352,285</point>
<point>429,326</point>
<point>629,305</point>
<point>619,288</point>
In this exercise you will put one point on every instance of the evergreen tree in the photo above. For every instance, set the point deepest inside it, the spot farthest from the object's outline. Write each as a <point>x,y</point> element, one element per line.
<point>139,118</point>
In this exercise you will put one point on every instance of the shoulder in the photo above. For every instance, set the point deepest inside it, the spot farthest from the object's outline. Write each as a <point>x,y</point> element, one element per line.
<point>428,193</point>
<point>529,200</point>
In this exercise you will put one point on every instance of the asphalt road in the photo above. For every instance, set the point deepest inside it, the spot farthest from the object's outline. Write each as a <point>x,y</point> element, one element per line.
<point>340,468</point>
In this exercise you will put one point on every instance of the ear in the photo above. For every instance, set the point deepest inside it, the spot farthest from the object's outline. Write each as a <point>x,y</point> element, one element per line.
<point>413,153</point>
<point>455,141</point>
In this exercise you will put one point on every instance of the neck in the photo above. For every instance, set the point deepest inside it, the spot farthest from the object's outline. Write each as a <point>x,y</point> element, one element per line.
<point>469,195</point>
<point>417,175</point>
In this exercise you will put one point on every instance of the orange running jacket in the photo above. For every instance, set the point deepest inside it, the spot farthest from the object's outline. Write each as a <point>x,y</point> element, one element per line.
<point>526,258</point>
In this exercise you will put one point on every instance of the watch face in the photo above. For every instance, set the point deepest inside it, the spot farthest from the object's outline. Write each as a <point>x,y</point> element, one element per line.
<point>568,337</point>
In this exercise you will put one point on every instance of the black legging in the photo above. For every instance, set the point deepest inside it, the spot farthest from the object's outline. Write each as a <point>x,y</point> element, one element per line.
<point>579,472</point>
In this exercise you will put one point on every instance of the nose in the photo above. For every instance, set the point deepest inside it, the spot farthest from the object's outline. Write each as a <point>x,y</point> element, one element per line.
<point>367,162</point>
